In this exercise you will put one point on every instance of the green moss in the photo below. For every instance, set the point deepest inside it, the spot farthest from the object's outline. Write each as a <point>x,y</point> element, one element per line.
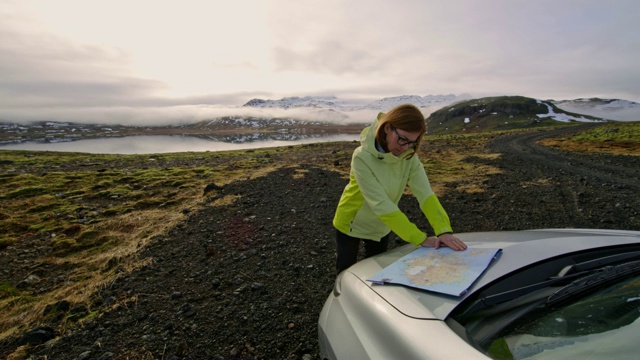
<point>148,204</point>
<point>6,241</point>
<point>110,173</point>
<point>73,177</point>
<point>90,240</point>
<point>88,237</point>
<point>75,193</point>
<point>178,183</point>
<point>13,225</point>
<point>127,180</point>
<point>105,243</point>
<point>118,210</point>
<point>73,230</point>
<point>616,132</point>
<point>102,184</point>
<point>7,176</point>
<point>48,224</point>
<point>7,290</point>
<point>171,203</point>
<point>43,207</point>
<point>62,245</point>
<point>26,192</point>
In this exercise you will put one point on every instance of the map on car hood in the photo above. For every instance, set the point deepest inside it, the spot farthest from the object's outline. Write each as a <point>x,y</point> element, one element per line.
<point>443,270</point>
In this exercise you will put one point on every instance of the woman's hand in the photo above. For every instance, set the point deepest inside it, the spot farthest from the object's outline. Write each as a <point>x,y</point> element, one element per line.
<point>448,240</point>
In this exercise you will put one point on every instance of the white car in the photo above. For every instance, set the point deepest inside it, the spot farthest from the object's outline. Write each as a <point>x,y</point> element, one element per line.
<point>552,294</point>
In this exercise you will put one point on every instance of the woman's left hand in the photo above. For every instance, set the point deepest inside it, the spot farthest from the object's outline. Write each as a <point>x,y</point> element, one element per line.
<point>451,241</point>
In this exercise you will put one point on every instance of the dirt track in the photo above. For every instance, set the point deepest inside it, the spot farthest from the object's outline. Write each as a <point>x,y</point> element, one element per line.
<point>608,170</point>
<point>248,280</point>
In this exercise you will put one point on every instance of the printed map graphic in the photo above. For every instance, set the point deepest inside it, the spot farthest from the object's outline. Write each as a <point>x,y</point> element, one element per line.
<point>443,270</point>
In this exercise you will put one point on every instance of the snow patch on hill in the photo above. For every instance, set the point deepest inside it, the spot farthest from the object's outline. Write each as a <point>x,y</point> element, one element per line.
<point>563,117</point>
<point>612,109</point>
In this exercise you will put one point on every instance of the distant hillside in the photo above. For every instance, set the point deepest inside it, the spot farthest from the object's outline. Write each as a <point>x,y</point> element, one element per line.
<point>332,102</point>
<point>499,113</point>
<point>612,109</point>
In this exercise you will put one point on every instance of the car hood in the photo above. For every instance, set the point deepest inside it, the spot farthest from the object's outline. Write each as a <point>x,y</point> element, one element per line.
<point>519,249</point>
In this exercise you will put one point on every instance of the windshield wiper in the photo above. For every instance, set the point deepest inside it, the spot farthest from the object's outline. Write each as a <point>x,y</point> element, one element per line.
<point>599,262</point>
<point>596,280</point>
<point>504,297</point>
<point>565,275</point>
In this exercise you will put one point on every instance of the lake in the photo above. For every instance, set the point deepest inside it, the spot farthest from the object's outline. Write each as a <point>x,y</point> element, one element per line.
<point>154,144</point>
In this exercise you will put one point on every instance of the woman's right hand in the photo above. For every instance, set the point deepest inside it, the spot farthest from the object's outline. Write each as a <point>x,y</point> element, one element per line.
<point>448,240</point>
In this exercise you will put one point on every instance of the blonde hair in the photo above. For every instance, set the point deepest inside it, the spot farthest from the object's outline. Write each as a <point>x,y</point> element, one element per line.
<point>405,117</point>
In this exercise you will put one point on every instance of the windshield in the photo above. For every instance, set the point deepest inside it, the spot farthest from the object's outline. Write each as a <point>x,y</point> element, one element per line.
<point>601,324</point>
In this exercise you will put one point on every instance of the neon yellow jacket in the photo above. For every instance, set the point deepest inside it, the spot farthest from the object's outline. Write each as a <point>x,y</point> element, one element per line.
<point>368,208</point>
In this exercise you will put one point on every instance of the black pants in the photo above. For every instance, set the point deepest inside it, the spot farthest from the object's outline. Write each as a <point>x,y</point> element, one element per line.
<point>347,248</point>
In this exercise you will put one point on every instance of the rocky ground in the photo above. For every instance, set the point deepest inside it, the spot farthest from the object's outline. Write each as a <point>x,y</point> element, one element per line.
<point>248,280</point>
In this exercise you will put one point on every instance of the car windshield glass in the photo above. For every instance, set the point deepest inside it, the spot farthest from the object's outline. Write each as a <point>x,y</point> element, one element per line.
<point>575,271</point>
<point>602,324</point>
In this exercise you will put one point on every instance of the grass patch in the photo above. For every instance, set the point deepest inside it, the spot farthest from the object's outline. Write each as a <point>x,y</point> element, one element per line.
<point>26,192</point>
<point>449,165</point>
<point>616,138</point>
<point>96,211</point>
<point>7,290</point>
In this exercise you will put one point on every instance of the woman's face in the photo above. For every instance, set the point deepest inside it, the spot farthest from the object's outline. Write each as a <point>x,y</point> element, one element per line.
<point>399,141</point>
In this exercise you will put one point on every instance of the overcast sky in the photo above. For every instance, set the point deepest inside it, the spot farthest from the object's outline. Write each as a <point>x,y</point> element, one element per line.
<point>135,60</point>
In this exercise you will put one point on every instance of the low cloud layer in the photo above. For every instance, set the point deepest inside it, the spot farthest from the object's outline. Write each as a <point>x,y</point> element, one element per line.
<point>171,115</point>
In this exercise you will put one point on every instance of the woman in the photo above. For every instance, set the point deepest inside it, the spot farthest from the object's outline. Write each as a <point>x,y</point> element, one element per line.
<point>381,168</point>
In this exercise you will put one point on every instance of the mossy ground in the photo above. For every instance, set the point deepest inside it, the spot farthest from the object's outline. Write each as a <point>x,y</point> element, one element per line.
<point>619,138</point>
<point>84,217</point>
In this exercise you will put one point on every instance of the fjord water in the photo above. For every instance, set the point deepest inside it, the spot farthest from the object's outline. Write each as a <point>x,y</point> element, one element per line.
<point>155,144</point>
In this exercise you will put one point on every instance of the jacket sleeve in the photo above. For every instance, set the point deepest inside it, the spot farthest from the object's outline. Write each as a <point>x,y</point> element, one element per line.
<point>428,200</point>
<point>382,206</point>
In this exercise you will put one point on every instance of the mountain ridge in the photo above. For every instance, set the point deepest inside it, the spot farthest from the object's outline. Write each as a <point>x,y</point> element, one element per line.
<point>333,102</point>
<point>330,114</point>
<point>500,113</point>
<point>609,109</point>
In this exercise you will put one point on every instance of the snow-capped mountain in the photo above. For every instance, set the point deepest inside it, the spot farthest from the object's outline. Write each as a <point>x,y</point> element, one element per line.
<point>255,123</point>
<point>332,102</point>
<point>419,101</point>
<point>611,109</point>
<point>295,102</point>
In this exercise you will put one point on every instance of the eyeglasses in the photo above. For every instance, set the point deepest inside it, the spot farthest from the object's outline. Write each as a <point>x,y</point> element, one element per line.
<point>402,141</point>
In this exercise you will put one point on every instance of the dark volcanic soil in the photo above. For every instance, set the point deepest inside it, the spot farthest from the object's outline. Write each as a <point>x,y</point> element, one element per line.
<point>248,280</point>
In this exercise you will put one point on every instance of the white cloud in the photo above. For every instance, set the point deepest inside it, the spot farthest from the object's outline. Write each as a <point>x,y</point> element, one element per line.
<point>119,54</point>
